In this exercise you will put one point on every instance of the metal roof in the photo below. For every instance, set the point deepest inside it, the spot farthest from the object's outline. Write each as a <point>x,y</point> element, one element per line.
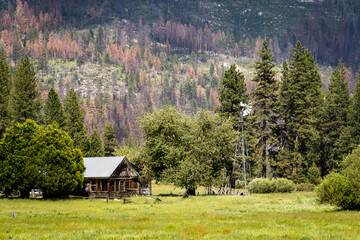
<point>101,167</point>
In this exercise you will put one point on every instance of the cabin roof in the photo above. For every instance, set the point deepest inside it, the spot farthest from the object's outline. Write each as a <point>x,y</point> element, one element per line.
<point>101,167</point>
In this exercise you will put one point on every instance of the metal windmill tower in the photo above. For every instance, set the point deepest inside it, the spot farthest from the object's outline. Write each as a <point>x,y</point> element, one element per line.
<point>239,162</point>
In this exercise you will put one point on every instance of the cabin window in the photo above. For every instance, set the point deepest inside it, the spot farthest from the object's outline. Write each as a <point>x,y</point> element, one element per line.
<point>127,184</point>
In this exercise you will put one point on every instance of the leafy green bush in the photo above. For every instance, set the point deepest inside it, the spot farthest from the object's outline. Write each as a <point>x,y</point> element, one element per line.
<point>342,189</point>
<point>351,166</point>
<point>339,190</point>
<point>305,187</point>
<point>263,185</point>
<point>283,185</point>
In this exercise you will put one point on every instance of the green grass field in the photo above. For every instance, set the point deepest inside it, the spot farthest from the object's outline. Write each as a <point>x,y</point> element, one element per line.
<point>259,216</point>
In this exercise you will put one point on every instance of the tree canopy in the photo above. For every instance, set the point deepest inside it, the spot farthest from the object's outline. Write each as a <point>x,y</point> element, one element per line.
<point>302,104</point>
<point>335,120</point>
<point>74,122</point>
<point>342,188</point>
<point>36,157</point>
<point>53,109</point>
<point>24,101</point>
<point>265,110</point>
<point>187,152</point>
<point>231,94</point>
<point>5,86</point>
<point>110,141</point>
<point>96,147</point>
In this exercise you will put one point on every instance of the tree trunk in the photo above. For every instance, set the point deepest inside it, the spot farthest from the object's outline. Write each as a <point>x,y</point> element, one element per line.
<point>24,193</point>
<point>185,193</point>
<point>189,191</point>
<point>268,166</point>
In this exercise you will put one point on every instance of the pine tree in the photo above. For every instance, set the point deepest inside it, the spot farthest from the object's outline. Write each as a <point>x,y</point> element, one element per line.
<point>284,168</point>
<point>53,109</point>
<point>302,104</point>
<point>284,86</point>
<point>74,122</point>
<point>18,51</point>
<point>43,62</point>
<point>211,70</point>
<point>25,101</point>
<point>335,120</point>
<point>74,117</point>
<point>109,140</point>
<point>231,94</point>
<point>99,40</point>
<point>314,175</point>
<point>82,142</point>
<point>354,114</point>
<point>5,86</point>
<point>265,109</point>
<point>96,148</point>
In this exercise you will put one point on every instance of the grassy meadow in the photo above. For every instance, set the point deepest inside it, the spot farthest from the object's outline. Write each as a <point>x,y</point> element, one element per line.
<point>259,216</point>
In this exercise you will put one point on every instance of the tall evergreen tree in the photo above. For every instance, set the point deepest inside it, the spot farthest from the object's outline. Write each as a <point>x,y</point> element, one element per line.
<point>302,108</point>
<point>43,61</point>
<point>100,42</point>
<point>53,109</point>
<point>283,158</point>
<point>354,114</point>
<point>74,117</point>
<point>5,86</point>
<point>96,148</point>
<point>74,122</point>
<point>336,135</point>
<point>82,141</point>
<point>284,87</point>
<point>265,110</point>
<point>18,51</point>
<point>25,101</point>
<point>109,140</point>
<point>231,94</point>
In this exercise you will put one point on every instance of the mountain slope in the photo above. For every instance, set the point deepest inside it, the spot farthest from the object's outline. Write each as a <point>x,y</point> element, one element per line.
<point>329,28</point>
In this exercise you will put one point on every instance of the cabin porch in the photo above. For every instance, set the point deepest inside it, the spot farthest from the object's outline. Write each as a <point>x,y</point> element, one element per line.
<point>113,187</point>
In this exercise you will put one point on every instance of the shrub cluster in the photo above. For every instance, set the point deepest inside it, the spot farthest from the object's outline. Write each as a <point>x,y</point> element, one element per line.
<point>339,190</point>
<point>263,185</point>
<point>342,189</point>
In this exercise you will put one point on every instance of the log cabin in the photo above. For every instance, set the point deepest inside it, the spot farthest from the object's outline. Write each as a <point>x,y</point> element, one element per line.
<point>114,177</point>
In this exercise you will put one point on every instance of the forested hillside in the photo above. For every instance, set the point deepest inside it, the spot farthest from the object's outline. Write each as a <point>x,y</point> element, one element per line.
<point>124,58</point>
<point>330,29</point>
